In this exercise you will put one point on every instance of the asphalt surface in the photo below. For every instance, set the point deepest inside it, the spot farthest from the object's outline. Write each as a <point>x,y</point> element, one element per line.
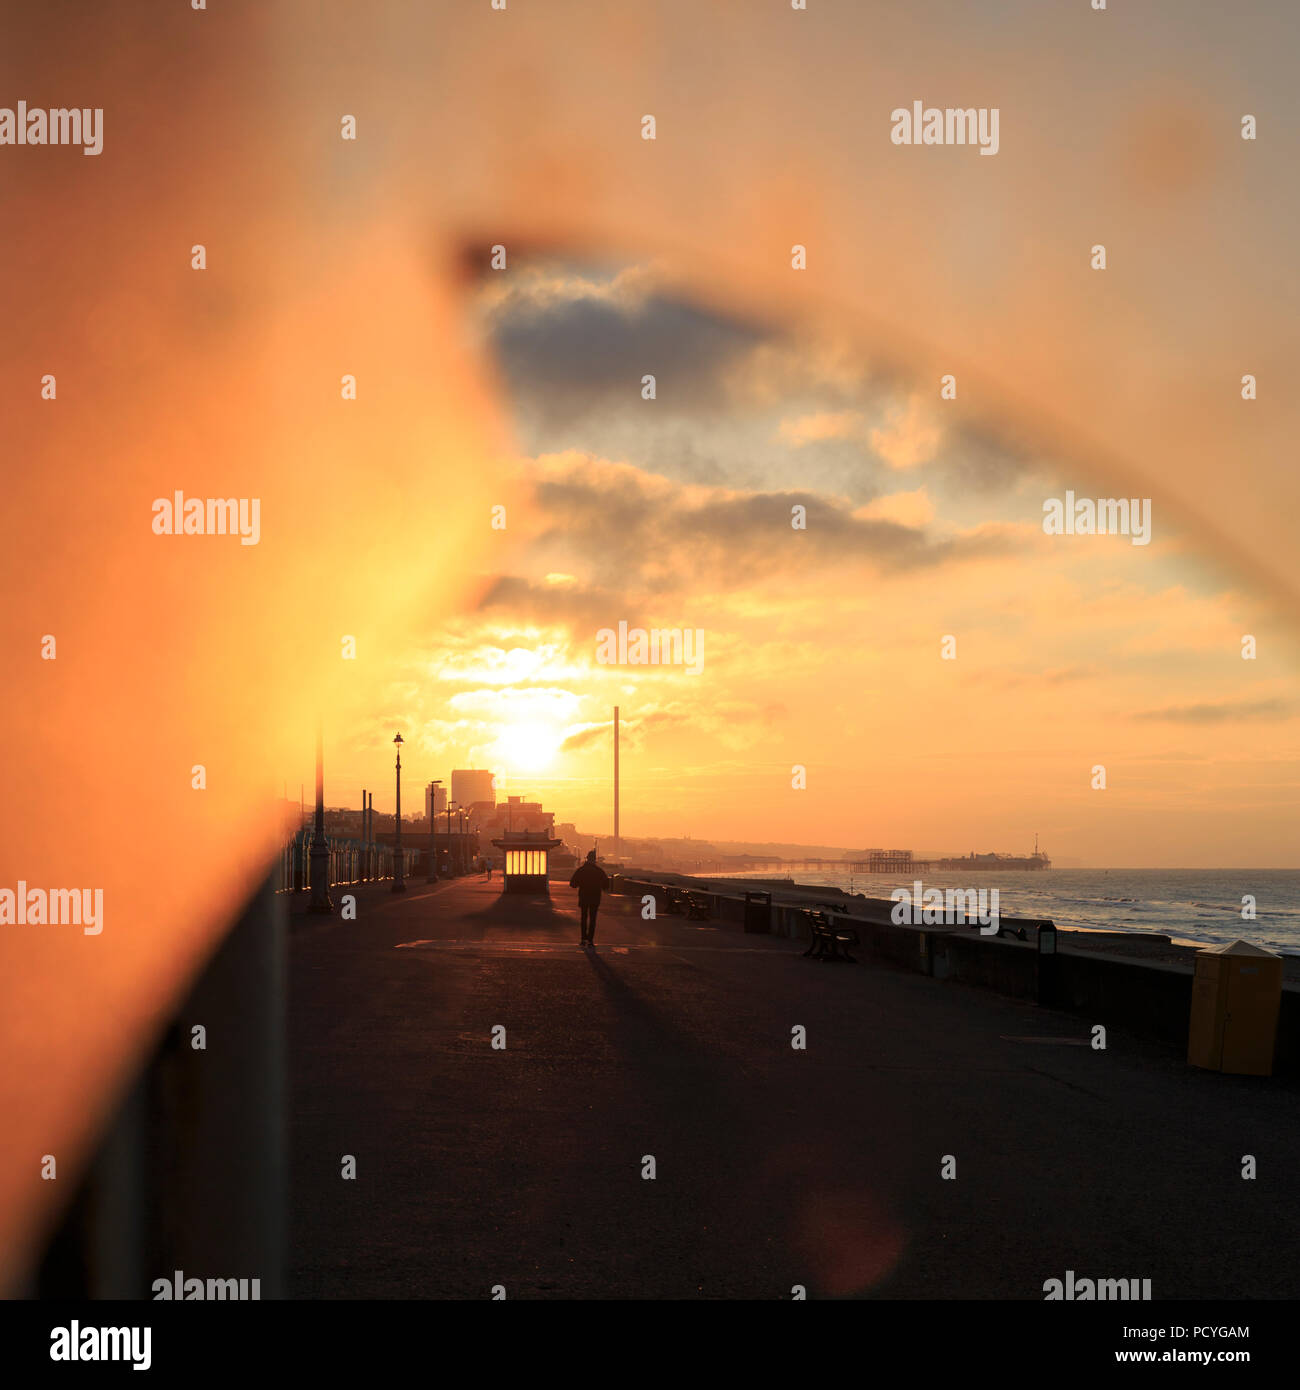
<point>773,1167</point>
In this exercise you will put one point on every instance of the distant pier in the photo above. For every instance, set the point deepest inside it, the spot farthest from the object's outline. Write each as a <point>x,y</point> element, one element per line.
<point>891,861</point>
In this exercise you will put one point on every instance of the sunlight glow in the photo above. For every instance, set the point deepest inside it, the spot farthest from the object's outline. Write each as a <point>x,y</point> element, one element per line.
<point>527,747</point>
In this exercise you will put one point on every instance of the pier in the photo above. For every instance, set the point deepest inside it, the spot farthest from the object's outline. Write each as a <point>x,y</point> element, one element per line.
<point>896,861</point>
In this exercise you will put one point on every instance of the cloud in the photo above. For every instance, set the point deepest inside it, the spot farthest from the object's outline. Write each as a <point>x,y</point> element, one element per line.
<point>825,424</point>
<point>1228,710</point>
<point>906,508</point>
<point>570,345</point>
<point>728,722</point>
<point>736,403</point>
<point>1035,680</point>
<point>911,435</point>
<point>566,605</point>
<point>643,533</point>
<point>584,735</point>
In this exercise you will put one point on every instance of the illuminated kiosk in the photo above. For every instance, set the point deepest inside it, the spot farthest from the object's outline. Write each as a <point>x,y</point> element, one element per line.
<point>527,857</point>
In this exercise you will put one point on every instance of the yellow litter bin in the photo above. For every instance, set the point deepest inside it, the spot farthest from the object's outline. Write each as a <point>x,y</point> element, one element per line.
<point>1236,998</point>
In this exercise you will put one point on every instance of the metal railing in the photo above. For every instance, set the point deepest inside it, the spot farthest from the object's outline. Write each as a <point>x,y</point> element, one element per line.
<point>350,861</point>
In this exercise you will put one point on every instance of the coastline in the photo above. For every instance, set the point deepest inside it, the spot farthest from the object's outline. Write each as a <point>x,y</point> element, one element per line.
<point>1156,948</point>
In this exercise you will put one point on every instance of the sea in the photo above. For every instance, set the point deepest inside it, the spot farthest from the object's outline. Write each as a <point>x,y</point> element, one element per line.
<point>1202,906</point>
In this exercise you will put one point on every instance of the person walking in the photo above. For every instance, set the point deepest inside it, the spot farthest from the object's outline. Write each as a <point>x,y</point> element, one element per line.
<point>590,880</point>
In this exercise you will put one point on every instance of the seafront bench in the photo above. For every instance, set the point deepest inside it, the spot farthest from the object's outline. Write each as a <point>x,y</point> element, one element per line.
<point>675,901</point>
<point>698,907</point>
<point>830,939</point>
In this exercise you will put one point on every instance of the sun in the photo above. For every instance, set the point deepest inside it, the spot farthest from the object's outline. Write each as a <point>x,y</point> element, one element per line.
<point>527,747</point>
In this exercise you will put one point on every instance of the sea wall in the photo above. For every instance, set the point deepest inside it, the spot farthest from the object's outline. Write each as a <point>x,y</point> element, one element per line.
<point>1148,998</point>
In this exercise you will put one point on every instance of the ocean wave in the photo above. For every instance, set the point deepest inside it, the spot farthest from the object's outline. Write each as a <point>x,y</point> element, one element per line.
<point>1196,904</point>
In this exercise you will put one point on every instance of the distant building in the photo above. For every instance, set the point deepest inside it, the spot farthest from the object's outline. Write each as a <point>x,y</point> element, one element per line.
<point>469,785</point>
<point>514,816</point>
<point>574,839</point>
<point>342,822</point>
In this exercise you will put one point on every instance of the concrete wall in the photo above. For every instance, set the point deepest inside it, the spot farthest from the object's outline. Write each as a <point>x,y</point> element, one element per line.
<point>1150,999</point>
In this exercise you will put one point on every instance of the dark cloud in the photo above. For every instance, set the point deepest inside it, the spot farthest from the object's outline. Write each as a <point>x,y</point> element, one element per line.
<point>1231,710</point>
<point>972,460</point>
<point>1058,675</point>
<point>586,734</point>
<point>633,536</point>
<point>573,352</point>
<point>565,357</point>
<point>569,605</point>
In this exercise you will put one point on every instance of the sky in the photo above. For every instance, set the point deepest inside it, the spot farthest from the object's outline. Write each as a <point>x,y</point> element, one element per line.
<point>823,648</point>
<point>370,258</point>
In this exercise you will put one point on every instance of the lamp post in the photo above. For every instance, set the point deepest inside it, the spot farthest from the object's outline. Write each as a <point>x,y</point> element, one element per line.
<point>432,868</point>
<point>451,866</point>
<point>399,882</point>
<point>320,850</point>
<point>365,838</point>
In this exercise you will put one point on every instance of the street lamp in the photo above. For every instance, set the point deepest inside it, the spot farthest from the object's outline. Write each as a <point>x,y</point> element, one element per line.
<point>432,868</point>
<point>320,850</point>
<point>399,882</point>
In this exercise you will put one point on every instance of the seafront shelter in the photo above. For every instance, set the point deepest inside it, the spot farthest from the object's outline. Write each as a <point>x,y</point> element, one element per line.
<point>527,860</point>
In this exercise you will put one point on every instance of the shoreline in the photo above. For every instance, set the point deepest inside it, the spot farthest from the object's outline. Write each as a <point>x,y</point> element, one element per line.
<point>1158,948</point>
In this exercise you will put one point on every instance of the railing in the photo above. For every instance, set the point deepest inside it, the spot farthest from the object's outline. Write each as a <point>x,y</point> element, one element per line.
<point>350,861</point>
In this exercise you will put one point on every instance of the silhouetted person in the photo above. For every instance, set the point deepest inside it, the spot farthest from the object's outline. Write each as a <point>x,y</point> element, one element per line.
<point>591,881</point>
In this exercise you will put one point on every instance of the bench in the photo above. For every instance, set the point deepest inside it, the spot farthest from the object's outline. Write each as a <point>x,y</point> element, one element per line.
<point>685,902</point>
<point>675,901</point>
<point>830,939</point>
<point>698,907</point>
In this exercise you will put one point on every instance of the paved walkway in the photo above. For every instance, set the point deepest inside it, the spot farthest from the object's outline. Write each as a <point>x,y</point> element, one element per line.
<point>773,1167</point>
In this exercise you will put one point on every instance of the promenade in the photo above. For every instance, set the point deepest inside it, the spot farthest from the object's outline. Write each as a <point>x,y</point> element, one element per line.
<point>774,1167</point>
